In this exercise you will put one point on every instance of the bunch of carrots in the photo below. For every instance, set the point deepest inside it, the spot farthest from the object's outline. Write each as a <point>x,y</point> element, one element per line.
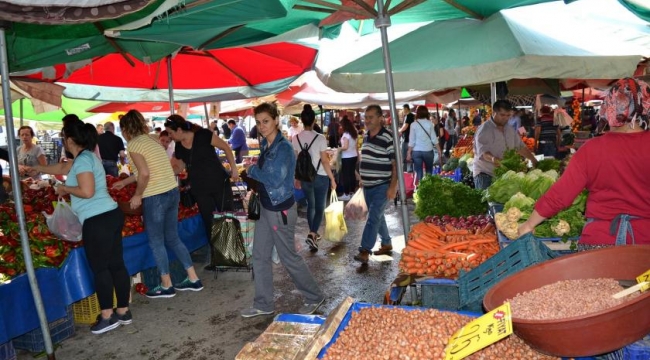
<point>442,253</point>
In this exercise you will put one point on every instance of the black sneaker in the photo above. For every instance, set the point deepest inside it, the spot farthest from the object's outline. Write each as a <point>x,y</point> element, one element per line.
<point>103,325</point>
<point>124,319</point>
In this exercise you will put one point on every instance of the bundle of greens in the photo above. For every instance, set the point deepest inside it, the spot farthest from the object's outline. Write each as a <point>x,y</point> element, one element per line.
<point>441,196</point>
<point>504,187</point>
<point>548,164</point>
<point>511,161</point>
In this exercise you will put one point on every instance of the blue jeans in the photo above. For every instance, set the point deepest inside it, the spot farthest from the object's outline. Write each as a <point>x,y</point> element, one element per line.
<point>316,195</point>
<point>422,158</point>
<point>376,201</point>
<point>482,181</point>
<point>160,213</point>
<point>408,167</point>
<point>547,149</point>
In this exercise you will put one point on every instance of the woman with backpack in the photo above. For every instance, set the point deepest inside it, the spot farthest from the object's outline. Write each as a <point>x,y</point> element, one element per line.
<point>311,149</point>
<point>423,143</point>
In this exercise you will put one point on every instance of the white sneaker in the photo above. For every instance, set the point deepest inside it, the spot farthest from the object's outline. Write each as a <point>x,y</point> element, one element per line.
<point>345,197</point>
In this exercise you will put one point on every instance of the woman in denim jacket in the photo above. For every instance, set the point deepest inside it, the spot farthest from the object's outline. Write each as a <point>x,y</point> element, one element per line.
<point>274,172</point>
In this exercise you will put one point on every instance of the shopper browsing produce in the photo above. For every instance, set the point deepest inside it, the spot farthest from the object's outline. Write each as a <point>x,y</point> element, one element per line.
<point>274,172</point>
<point>492,140</point>
<point>613,168</point>
<point>157,192</point>
<point>101,221</point>
<point>195,151</point>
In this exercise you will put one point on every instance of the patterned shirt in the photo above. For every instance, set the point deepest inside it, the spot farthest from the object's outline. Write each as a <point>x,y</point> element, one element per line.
<point>377,156</point>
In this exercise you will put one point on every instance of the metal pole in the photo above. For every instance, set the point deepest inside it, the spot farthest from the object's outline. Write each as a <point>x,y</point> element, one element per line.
<point>382,22</point>
<point>18,198</point>
<point>207,115</point>
<point>170,84</point>
<point>493,93</point>
<point>21,112</point>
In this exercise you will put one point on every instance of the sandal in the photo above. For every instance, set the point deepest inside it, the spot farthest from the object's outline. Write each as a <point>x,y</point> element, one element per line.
<point>312,242</point>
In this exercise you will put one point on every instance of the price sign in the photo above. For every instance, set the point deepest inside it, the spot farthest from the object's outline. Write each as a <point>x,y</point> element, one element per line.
<point>645,277</point>
<point>480,333</point>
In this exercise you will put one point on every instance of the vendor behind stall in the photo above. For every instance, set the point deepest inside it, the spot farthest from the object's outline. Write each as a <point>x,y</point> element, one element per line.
<point>29,154</point>
<point>492,140</point>
<point>613,168</point>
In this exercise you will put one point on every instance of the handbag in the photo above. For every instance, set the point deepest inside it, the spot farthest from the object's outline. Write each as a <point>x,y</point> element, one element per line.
<point>254,207</point>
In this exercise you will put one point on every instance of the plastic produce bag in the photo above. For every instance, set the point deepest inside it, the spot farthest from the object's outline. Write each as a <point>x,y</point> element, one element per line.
<point>356,209</point>
<point>63,222</point>
<point>335,228</point>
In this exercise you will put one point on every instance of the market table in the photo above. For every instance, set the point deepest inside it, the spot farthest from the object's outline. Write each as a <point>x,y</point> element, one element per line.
<point>73,281</point>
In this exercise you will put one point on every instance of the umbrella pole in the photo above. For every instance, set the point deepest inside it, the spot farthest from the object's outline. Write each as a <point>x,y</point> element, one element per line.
<point>170,84</point>
<point>207,115</point>
<point>18,199</point>
<point>383,22</point>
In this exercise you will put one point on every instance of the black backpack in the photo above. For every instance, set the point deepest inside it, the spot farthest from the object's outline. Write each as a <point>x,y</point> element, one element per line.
<point>305,170</point>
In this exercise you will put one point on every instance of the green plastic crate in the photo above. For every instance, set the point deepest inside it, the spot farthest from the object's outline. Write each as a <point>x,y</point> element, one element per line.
<point>519,255</point>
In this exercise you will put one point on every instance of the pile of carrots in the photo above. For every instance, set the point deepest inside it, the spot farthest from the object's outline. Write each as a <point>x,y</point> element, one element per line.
<point>442,253</point>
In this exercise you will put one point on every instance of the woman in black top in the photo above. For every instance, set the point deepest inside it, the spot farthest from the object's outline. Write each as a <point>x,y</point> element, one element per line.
<point>208,179</point>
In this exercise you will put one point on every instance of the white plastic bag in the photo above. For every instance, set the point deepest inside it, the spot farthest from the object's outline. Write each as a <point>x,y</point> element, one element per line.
<point>63,223</point>
<point>335,228</point>
<point>356,209</point>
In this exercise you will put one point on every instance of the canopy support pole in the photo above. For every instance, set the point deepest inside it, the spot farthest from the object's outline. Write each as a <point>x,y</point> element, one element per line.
<point>493,93</point>
<point>21,112</point>
<point>207,115</point>
<point>170,84</point>
<point>383,22</point>
<point>18,198</point>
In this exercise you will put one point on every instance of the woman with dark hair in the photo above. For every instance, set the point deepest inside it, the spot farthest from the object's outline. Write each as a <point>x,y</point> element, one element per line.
<point>349,156</point>
<point>29,154</point>
<point>101,221</point>
<point>208,180</point>
<point>157,192</point>
<point>275,171</point>
<point>423,144</point>
<point>315,191</point>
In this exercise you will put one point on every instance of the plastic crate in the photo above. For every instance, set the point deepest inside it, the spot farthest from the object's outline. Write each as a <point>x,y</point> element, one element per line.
<point>85,311</point>
<point>59,330</point>
<point>7,351</point>
<point>440,294</point>
<point>639,350</point>
<point>521,254</point>
<point>457,176</point>
<point>151,278</point>
<point>555,244</point>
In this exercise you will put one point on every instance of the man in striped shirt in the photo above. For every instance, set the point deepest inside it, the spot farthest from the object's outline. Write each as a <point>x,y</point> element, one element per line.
<point>379,181</point>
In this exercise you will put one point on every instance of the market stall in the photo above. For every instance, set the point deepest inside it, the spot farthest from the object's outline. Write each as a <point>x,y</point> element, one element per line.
<point>62,270</point>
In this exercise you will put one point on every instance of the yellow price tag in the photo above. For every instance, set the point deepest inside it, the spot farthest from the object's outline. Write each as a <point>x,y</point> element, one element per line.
<point>645,277</point>
<point>480,333</point>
